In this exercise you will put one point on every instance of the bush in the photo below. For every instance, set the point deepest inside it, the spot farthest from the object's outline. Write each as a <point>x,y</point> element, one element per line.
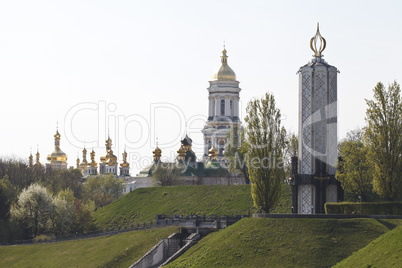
<point>42,238</point>
<point>367,208</point>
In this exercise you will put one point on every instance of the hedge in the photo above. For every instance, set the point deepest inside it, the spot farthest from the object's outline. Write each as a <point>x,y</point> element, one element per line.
<point>366,208</point>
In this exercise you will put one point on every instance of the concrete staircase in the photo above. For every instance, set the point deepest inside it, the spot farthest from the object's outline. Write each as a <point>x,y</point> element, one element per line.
<point>168,249</point>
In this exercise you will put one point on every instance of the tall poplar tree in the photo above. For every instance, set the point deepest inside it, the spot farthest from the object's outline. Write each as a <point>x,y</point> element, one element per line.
<point>266,140</point>
<point>237,152</point>
<point>384,140</point>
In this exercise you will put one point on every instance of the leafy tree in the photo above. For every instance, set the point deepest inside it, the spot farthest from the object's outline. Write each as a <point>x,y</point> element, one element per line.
<point>83,216</point>
<point>58,180</point>
<point>63,212</point>
<point>103,189</point>
<point>7,196</point>
<point>353,169</point>
<point>34,208</point>
<point>19,174</point>
<point>291,149</point>
<point>266,139</point>
<point>165,174</point>
<point>384,140</point>
<point>237,152</point>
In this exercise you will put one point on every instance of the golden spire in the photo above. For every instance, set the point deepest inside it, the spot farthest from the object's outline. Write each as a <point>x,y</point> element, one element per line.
<point>105,158</point>
<point>84,163</point>
<point>157,152</point>
<point>224,72</point>
<point>125,163</point>
<point>38,157</point>
<point>108,143</point>
<point>78,161</point>
<point>30,163</point>
<point>313,43</point>
<point>58,156</point>
<point>93,163</point>
<point>181,153</point>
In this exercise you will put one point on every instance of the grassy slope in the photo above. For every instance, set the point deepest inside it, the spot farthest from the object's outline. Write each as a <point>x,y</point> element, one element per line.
<point>385,251</point>
<point>143,204</point>
<point>282,243</point>
<point>120,250</point>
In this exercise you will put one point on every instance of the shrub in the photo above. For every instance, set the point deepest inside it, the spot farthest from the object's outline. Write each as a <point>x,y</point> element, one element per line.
<point>366,208</point>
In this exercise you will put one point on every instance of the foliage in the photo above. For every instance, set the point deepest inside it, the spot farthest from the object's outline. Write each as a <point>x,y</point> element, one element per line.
<point>63,212</point>
<point>7,197</point>
<point>103,189</point>
<point>120,250</point>
<point>353,169</point>
<point>165,174</point>
<point>281,243</point>
<point>266,139</point>
<point>10,231</point>
<point>384,140</point>
<point>34,208</point>
<point>291,150</point>
<point>366,208</point>
<point>58,179</point>
<point>83,221</point>
<point>237,152</point>
<point>19,175</point>
<point>385,251</point>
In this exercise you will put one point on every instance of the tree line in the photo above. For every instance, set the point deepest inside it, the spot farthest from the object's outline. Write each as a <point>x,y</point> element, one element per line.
<point>370,159</point>
<point>36,201</point>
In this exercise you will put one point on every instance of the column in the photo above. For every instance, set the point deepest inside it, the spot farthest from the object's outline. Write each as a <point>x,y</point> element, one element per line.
<point>217,106</point>
<point>227,106</point>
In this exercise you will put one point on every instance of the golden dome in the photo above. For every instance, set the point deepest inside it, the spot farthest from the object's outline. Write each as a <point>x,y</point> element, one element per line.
<point>58,155</point>
<point>224,72</point>
<point>111,158</point>
<point>213,153</point>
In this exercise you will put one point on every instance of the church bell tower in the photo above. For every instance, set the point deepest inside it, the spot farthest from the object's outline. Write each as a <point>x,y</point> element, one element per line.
<point>223,108</point>
<point>313,180</point>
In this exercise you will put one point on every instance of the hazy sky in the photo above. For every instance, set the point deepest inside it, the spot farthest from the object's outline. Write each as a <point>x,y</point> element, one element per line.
<point>141,68</point>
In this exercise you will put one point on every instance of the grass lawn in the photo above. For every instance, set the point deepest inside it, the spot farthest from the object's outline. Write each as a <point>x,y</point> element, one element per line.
<point>120,250</point>
<point>143,204</point>
<point>385,251</point>
<point>282,243</point>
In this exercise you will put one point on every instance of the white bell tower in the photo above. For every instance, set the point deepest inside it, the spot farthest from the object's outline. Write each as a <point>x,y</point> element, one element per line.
<point>223,111</point>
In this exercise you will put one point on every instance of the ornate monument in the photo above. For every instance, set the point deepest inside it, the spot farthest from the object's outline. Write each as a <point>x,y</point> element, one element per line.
<point>313,180</point>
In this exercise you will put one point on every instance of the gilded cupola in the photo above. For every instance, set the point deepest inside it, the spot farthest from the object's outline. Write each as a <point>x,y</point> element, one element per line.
<point>125,163</point>
<point>157,153</point>
<point>58,156</point>
<point>224,72</point>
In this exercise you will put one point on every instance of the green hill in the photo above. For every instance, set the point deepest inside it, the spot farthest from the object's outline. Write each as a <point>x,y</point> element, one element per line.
<point>282,243</point>
<point>385,251</point>
<point>120,250</point>
<point>143,204</point>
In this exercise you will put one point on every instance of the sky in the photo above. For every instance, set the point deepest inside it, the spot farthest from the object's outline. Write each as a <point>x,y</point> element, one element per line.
<point>139,70</point>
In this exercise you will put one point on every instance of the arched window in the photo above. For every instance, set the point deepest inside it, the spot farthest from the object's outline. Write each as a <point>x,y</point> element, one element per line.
<point>231,108</point>
<point>209,144</point>
<point>221,148</point>
<point>222,107</point>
